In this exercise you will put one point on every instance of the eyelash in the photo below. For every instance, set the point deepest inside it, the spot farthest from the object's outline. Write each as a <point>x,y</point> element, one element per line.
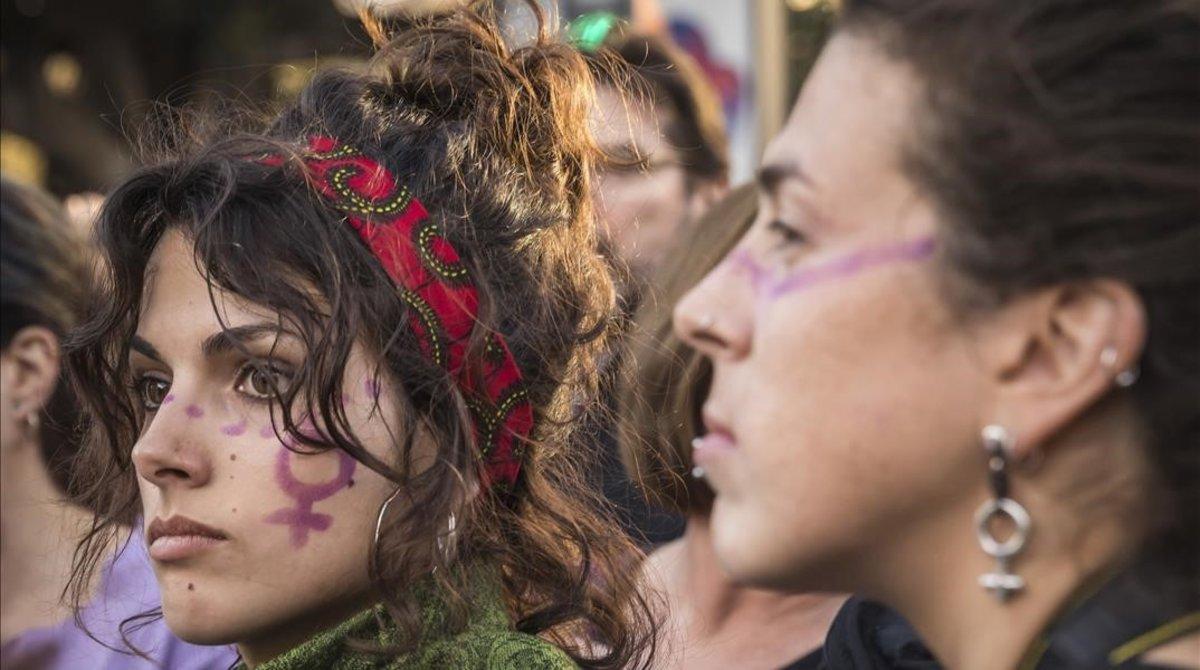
<point>142,384</point>
<point>245,374</point>
<point>787,234</point>
<point>140,387</point>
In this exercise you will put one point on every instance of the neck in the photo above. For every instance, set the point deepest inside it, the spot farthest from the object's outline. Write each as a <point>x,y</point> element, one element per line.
<point>706,607</point>
<point>968,627</point>
<point>295,632</point>
<point>40,532</point>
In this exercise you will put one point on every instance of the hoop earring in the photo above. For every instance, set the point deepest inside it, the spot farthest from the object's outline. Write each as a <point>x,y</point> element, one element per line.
<point>1001,582</point>
<point>446,543</point>
<point>379,520</point>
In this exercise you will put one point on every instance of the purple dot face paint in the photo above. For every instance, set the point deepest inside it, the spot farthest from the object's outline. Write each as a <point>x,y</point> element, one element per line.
<point>767,287</point>
<point>169,399</point>
<point>301,519</point>
<point>266,432</point>
<point>194,411</point>
<point>235,429</point>
<point>372,389</point>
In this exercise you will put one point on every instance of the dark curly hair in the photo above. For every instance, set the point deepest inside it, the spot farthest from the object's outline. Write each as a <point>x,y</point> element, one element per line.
<point>494,141</point>
<point>1061,138</point>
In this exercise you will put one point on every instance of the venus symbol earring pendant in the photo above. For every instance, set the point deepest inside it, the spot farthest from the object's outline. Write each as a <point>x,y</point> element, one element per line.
<point>1002,582</point>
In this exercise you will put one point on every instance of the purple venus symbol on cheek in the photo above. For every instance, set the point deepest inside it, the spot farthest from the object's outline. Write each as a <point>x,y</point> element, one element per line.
<point>301,518</point>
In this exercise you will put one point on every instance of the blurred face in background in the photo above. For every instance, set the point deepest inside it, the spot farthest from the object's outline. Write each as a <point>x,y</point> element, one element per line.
<point>642,208</point>
<point>844,405</point>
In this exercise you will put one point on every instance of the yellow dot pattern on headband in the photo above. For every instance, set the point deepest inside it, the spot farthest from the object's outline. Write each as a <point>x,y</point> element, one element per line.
<point>349,201</point>
<point>429,321</point>
<point>492,418</point>
<point>425,234</point>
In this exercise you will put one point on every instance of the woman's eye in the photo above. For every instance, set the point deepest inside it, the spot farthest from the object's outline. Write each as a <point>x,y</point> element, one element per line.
<point>152,391</point>
<point>786,234</point>
<point>262,382</point>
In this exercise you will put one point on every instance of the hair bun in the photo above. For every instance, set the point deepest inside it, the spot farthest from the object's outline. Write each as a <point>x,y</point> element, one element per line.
<point>528,104</point>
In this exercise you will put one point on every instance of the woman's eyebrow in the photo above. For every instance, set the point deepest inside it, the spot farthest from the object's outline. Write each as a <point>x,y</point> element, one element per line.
<point>234,338</point>
<point>143,347</point>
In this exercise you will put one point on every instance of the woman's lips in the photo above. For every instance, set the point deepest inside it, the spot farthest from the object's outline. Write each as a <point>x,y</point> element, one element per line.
<point>718,441</point>
<point>170,548</point>
<point>710,446</point>
<point>179,537</point>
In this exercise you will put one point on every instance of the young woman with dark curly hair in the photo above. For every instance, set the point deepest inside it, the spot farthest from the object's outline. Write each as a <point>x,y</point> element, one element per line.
<point>355,343</point>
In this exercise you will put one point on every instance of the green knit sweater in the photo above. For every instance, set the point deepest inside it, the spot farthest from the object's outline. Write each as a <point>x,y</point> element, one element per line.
<point>488,643</point>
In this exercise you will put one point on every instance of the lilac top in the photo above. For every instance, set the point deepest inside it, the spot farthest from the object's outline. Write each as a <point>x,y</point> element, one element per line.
<point>127,588</point>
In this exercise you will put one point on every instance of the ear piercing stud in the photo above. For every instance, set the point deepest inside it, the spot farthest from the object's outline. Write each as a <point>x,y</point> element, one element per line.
<point>1125,378</point>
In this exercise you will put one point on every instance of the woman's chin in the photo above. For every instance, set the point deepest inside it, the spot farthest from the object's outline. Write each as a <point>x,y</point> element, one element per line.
<point>198,624</point>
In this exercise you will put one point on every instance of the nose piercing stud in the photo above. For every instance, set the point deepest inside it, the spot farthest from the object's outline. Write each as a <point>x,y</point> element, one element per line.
<point>706,322</point>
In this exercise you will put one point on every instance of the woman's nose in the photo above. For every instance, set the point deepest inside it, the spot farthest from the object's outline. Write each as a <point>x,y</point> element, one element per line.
<point>715,317</point>
<point>174,449</point>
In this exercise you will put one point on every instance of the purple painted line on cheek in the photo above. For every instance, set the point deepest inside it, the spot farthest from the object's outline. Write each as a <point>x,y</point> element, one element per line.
<point>235,429</point>
<point>169,399</point>
<point>372,389</point>
<point>742,260</point>
<point>194,411</point>
<point>851,265</point>
<point>301,520</point>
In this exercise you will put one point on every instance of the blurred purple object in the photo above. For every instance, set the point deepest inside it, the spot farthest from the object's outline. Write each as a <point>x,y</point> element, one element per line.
<point>127,588</point>
<point>725,79</point>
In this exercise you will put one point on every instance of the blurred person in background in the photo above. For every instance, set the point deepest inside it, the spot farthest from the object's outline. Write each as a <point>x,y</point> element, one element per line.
<point>44,280</point>
<point>955,363</point>
<point>710,622</point>
<point>660,124</point>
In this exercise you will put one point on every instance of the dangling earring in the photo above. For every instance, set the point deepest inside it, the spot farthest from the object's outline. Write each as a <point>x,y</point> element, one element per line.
<point>1002,582</point>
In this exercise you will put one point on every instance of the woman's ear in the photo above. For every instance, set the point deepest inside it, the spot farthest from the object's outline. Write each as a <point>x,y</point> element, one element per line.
<point>704,194</point>
<point>1055,352</point>
<point>33,362</point>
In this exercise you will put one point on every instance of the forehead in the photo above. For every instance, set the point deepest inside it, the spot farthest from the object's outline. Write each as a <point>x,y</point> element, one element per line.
<point>176,302</point>
<point>619,121</point>
<point>851,117</point>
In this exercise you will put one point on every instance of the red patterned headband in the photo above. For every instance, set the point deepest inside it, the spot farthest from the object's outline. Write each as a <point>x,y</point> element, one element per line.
<point>437,287</point>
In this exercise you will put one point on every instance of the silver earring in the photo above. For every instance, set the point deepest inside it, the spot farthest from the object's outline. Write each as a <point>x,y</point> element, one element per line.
<point>445,543</point>
<point>1001,582</point>
<point>1125,378</point>
<point>697,471</point>
<point>379,519</point>
<point>1128,377</point>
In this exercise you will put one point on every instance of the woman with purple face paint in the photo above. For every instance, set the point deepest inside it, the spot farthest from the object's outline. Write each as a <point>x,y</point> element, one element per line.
<point>354,342</point>
<point>954,360</point>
